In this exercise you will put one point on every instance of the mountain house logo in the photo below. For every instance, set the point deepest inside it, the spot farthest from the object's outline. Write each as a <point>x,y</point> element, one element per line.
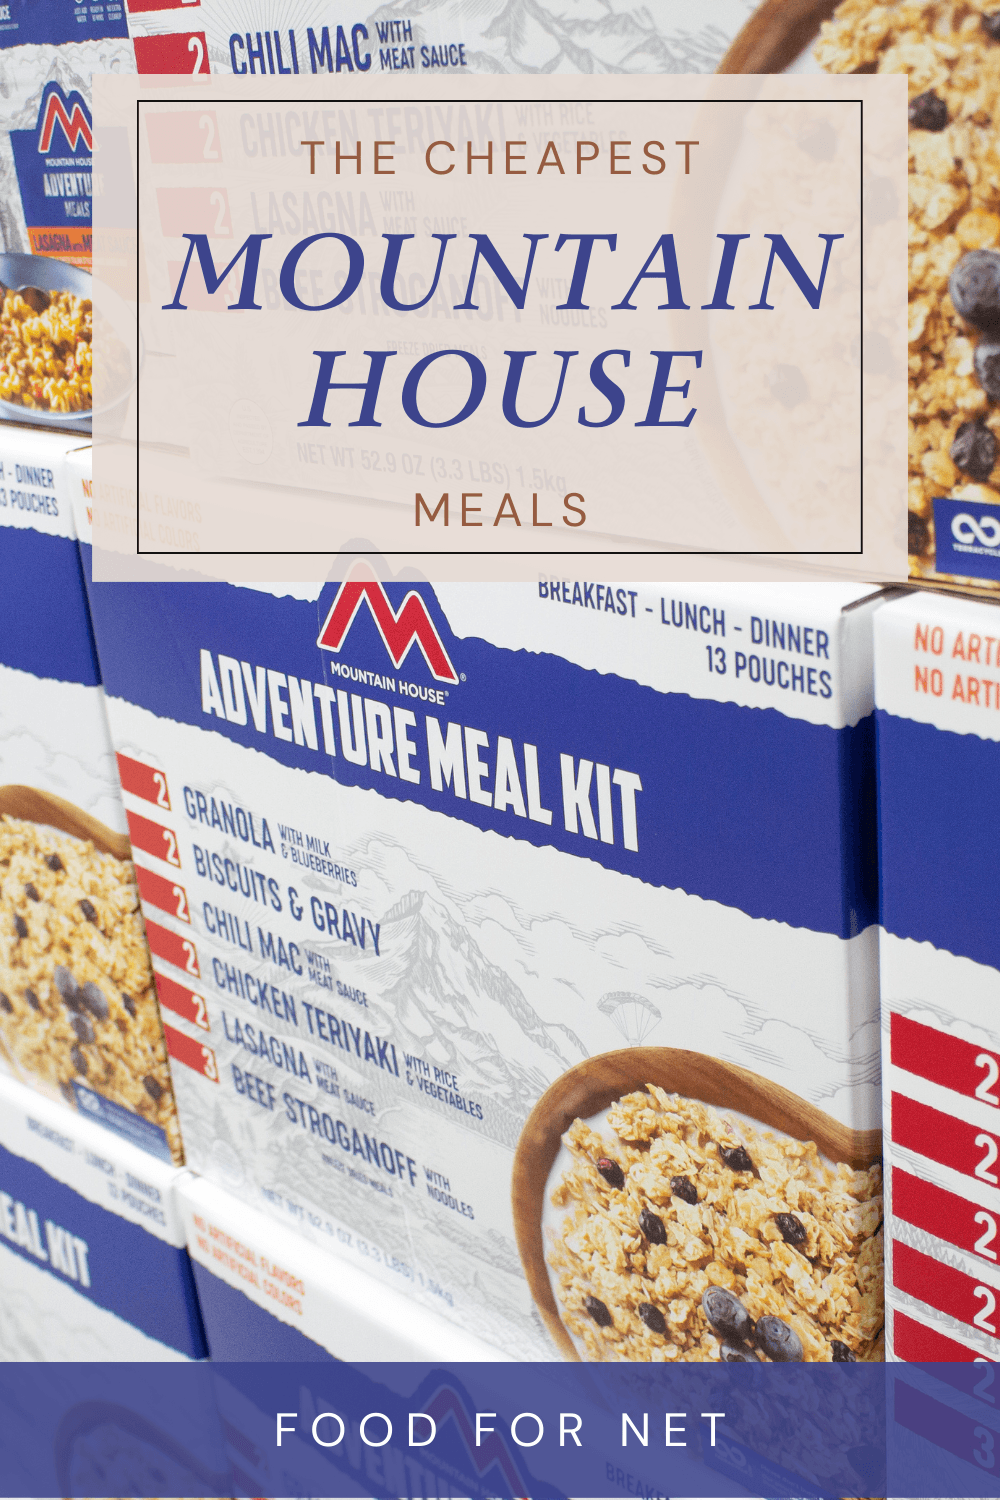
<point>57,203</point>
<point>398,631</point>
<point>74,122</point>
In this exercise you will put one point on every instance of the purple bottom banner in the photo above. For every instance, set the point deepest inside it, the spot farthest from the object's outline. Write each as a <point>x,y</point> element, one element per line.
<point>533,1430</point>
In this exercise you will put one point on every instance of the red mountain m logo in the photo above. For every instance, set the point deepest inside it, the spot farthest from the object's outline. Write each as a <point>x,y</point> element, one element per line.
<point>398,632</point>
<point>74,126</point>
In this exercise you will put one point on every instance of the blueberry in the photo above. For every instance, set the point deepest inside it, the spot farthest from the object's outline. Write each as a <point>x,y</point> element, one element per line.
<point>129,1004</point>
<point>684,1188</point>
<point>611,1172</point>
<point>737,1354</point>
<point>727,1315</point>
<point>32,999</point>
<point>5,1004</point>
<point>928,112</point>
<point>974,450</point>
<point>974,286</point>
<point>89,910</point>
<point>598,1311</point>
<point>66,985</point>
<point>991,25</point>
<point>78,1060</point>
<point>736,1158</point>
<point>95,1000</point>
<point>153,1089</point>
<point>793,1231</point>
<point>778,1340</point>
<point>819,140</point>
<point>20,925</point>
<point>31,892</point>
<point>84,1028</point>
<point>54,862</point>
<point>653,1227</point>
<point>652,1317</point>
<point>918,535</point>
<point>986,362</point>
<point>841,1354</point>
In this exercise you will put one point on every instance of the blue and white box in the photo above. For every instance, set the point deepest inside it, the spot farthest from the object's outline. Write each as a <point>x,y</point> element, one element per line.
<point>937,677</point>
<point>78,1013</point>
<point>468,871</point>
<point>92,1249</point>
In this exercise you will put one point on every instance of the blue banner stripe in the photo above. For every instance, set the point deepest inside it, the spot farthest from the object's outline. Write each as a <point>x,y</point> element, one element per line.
<point>758,811</point>
<point>44,623</point>
<point>130,1272</point>
<point>939,830</point>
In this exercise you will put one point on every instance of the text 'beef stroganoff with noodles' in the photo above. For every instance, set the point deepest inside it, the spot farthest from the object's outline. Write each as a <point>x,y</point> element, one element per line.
<point>693,1236</point>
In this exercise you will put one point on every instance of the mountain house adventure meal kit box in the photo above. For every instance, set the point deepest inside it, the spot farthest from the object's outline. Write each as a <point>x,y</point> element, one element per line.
<point>518,941</point>
<point>937,676</point>
<point>78,1012</point>
<point>267,1293</point>
<point>92,1253</point>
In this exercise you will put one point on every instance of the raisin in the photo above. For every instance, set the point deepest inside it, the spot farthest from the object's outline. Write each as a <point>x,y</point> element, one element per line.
<point>788,385</point>
<point>736,1158</point>
<point>653,1227</point>
<point>54,862</point>
<point>991,25</point>
<point>129,1005</point>
<point>652,1317</point>
<point>30,890</point>
<point>928,112</point>
<point>32,999</point>
<point>974,450</point>
<point>94,998</point>
<point>84,1028</point>
<point>66,1089</point>
<point>684,1188</point>
<point>598,1311</point>
<point>89,910</point>
<point>5,1004</point>
<point>20,925</point>
<point>918,535</point>
<point>841,1354</point>
<point>78,1060</point>
<point>153,1089</point>
<point>793,1231</point>
<point>611,1172</point>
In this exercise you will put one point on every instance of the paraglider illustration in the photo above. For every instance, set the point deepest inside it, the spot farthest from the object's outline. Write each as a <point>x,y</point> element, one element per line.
<point>633,1015</point>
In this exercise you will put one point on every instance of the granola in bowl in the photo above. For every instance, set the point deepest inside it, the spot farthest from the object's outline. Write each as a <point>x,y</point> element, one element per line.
<point>679,1232</point>
<point>77,1001</point>
<point>951,51</point>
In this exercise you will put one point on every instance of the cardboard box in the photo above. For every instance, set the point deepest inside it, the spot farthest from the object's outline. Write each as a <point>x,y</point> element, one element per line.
<point>937,676</point>
<point>440,871</point>
<point>92,1250</point>
<point>78,1012</point>
<point>267,1293</point>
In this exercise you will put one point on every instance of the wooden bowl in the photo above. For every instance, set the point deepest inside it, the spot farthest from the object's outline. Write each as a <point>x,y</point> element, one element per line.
<point>595,1084</point>
<point>29,803</point>
<point>775,35</point>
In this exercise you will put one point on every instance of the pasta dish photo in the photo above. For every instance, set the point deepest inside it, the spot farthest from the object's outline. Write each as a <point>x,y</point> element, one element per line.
<point>46,357</point>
